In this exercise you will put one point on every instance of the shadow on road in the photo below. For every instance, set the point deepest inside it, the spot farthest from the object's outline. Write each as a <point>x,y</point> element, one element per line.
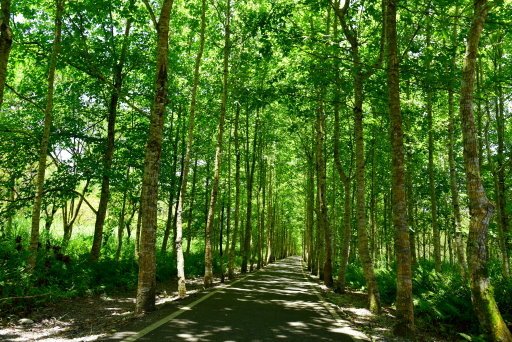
<point>274,304</point>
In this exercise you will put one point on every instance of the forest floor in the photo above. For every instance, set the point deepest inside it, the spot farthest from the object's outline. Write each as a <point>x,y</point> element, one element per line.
<point>352,308</point>
<point>99,316</point>
<point>85,319</point>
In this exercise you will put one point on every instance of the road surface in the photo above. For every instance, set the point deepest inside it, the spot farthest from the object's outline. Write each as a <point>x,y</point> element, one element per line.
<point>273,304</point>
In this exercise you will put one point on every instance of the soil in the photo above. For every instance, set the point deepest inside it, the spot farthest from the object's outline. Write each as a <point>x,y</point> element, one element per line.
<point>85,319</point>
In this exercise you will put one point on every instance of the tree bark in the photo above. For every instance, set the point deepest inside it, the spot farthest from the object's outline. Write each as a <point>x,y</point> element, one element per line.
<point>145,301</point>
<point>404,305</point>
<point>480,208</point>
<point>208,272</point>
<point>45,140</point>
<point>5,43</point>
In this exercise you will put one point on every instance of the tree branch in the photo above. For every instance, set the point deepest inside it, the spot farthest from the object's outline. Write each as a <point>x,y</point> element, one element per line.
<point>151,14</point>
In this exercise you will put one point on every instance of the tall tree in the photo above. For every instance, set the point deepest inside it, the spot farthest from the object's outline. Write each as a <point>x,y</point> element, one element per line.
<point>480,208</point>
<point>232,248</point>
<point>501,198</point>
<point>117,84</point>
<point>404,305</point>
<point>186,163</point>
<point>454,191</point>
<point>250,169</point>
<point>430,128</point>
<point>45,140</point>
<point>359,77</point>
<point>149,196</point>
<point>208,262</point>
<point>323,220</point>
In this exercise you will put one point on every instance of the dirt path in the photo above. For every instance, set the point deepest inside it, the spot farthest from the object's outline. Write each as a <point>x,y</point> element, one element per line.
<point>276,303</point>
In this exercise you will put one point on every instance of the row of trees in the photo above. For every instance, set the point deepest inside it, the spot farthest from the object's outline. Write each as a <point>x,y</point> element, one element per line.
<point>289,123</point>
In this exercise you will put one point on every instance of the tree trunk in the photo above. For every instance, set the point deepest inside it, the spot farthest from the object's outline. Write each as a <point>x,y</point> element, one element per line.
<point>149,197</point>
<point>362,235</point>
<point>191,206</point>
<point>345,179</point>
<point>72,214</point>
<point>505,267</point>
<point>431,175</point>
<point>232,248</point>
<point>186,162</point>
<point>358,83</point>
<point>410,212</point>
<point>459,247</point>
<point>310,210</point>
<point>5,43</point>
<point>208,272</point>
<point>479,206</point>
<point>250,180</point>
<point>172,189</point>
<point>121,223</point>
<point>404,305</point>
<point>501,198</point>
<point>137,232</point>
<point>323,219</point>
<point>110,144</point>
<point>45,140</point>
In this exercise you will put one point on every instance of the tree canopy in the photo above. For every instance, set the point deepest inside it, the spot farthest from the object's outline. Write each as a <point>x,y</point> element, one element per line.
<point>371,135</point>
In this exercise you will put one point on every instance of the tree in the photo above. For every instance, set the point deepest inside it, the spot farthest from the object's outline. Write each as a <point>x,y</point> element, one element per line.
<point>186,162</point>
<point>480,208</point>
<point>208,272</point>
<point>359,77</point>
<point>323,221</point>
<point>149,196</point>
<point>117,84</point>
<point>45,140</point>
<point>404,305</point>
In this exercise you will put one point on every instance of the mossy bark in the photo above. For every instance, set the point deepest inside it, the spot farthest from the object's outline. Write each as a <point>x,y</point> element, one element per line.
<point>404,305</point>
<point>480,208</point>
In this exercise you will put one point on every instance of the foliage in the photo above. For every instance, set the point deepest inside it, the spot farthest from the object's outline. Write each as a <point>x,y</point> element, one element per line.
<point>59,275</point>
<point>440,299</point>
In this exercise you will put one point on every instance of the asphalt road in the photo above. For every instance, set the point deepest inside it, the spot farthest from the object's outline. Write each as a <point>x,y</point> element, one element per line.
<point>274,304</point>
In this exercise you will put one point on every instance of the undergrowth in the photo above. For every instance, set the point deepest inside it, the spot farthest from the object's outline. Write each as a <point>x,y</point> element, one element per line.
<point>441,300</point>
<point>69,273</point>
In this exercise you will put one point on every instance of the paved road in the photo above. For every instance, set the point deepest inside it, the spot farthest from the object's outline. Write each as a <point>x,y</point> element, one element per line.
<point>277,303</point>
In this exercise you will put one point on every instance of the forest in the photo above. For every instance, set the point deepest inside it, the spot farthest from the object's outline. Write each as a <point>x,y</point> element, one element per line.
<point>150,141</point>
